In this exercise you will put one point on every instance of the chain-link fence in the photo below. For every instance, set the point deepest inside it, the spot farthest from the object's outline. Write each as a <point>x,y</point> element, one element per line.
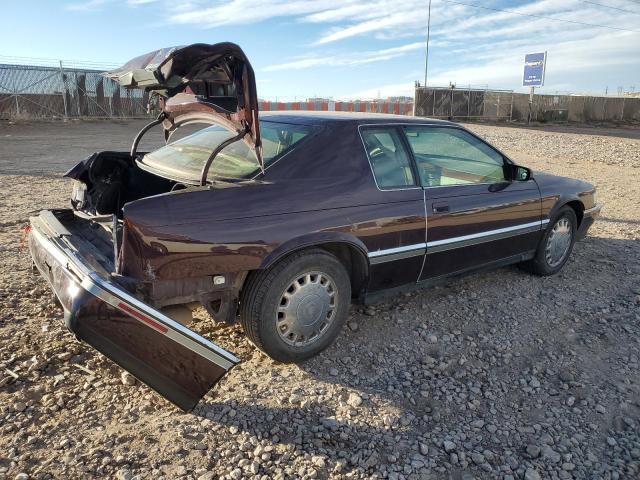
<point>28,91</point>
<point>437,102</point>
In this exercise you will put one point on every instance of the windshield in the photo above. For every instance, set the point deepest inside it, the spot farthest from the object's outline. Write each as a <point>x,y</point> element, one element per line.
<point>185,158</point>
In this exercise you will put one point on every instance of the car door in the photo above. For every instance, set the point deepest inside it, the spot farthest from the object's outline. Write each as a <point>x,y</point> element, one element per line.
<point>476,215</point>
<point>396,234</point>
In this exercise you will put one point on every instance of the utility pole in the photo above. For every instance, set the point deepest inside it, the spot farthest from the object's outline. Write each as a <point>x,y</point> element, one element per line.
<point>426,62</point>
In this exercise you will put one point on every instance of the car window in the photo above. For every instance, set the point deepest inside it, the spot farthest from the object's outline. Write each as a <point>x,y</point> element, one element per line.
<point>451,156</point>
<point>389,159</point>
<point>185,157</point>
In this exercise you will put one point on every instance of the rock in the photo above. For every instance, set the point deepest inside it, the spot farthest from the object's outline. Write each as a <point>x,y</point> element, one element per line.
<point>568,467</point>
<point>601,409</point>
<point>236,474</point>
<point>333,372</point>
<point>534,382</point>
<point>19,406</point>
<point>550,454</point>
<point>424,449</point>
<point>354,400</point>
<point>127,379</point>
<point>200,446</point>
<point>22,476</point>
<point>531,474</point>
<point>432,339</point>
<point>124,474</point>
<point>477,424</point>
<point>611,441</point>
<point>449,446</point>
<point>533,451</point>
<point>370,311</point>
<point>207,476</point>
<point>353,325</point>
<point>318,461</point>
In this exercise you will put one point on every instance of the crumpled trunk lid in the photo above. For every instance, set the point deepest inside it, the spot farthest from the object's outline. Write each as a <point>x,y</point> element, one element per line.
<point>199,83</point>
<point>100,310</point>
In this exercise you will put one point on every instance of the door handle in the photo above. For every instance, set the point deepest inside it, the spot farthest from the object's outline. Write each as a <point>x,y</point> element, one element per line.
<point>440,207</point>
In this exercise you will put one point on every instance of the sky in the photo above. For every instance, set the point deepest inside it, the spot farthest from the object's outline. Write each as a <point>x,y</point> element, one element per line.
<point>346,49</point>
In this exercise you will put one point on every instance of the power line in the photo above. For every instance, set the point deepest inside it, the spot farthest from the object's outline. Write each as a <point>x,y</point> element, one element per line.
<point>541,16</point>
<point>609,6</point>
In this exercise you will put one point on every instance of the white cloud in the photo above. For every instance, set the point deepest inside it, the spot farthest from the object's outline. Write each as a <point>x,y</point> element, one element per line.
<point>346,60</point>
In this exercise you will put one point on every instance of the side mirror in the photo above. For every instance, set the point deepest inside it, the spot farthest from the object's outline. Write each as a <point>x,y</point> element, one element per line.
<point>518,173</point>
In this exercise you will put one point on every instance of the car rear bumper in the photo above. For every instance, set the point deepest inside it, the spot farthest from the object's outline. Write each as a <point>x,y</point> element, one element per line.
<point>175,361</point>
<point>588,217</point>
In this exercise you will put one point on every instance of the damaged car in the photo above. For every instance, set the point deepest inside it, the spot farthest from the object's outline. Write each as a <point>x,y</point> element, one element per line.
<point>278,221</point>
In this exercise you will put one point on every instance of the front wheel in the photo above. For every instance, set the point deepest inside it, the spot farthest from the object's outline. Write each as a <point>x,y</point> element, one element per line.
<point>556,244</point>
<point>296,309</point>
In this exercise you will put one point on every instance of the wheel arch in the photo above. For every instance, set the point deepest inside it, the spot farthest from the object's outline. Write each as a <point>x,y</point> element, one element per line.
<point>349,250</point>
<point>578,207</point>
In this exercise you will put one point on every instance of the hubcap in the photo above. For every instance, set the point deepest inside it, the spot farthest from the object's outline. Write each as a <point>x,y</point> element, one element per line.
<point>558,242</point>
<point>307,308</point>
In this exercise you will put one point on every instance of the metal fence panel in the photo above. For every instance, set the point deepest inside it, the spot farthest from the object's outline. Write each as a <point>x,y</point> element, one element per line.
<point>48,92</point>
<point>463,103</point>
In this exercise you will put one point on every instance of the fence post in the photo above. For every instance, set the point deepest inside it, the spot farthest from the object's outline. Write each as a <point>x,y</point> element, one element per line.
<point>622,110</point>
<point>64,91</point>
<point>433,106</point>
<point>469,103</point>
<point>451,106</point>
<point>511,109</point>
<point>17,103</point>
<point>484,101</point>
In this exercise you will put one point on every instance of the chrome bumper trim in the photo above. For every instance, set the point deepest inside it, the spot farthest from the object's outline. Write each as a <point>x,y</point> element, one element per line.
<point>125,302</point>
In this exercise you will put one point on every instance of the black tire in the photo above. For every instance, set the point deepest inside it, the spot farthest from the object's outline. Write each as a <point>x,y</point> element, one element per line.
<point>263,294</point>
<point>540,264</point>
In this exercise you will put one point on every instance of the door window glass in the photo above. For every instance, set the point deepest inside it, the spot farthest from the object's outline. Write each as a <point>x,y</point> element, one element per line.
<point>450,156</point>
<point>389,160</point>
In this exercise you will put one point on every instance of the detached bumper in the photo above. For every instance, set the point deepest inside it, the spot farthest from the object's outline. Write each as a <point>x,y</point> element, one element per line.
<point>588,217</point>
<point>173,360</point>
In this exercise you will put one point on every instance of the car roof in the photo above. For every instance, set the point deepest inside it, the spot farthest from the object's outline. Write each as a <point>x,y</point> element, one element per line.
<point>358,118</point>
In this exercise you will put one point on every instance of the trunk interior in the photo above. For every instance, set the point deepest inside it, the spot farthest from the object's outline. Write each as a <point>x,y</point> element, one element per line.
<point>112,179</point>
<point>92,240</point>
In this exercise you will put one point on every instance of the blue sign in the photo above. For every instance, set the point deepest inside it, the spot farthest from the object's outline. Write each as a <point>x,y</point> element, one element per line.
<point>534,66</point>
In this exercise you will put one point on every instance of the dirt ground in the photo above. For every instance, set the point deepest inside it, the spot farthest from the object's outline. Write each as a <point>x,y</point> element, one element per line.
<point>499,375</point>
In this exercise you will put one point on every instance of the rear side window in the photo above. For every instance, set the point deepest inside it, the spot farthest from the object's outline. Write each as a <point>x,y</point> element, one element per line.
<point>184,158</point>
<point>388,157</point>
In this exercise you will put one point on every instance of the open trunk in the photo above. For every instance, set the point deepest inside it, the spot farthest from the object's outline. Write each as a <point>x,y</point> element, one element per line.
<point>106,181</point>
<point>80,250</point>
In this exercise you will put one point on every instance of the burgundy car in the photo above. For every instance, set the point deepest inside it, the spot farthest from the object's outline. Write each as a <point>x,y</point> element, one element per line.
<point>278,222</point>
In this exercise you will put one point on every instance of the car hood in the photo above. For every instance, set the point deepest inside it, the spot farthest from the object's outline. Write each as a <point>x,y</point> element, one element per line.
<point>199,83</point>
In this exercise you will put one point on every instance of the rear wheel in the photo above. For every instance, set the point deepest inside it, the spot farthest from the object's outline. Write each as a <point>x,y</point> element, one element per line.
<point>556,244</point>
<point>295,309</point>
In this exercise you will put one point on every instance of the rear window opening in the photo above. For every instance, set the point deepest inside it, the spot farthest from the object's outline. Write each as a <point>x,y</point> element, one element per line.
<point>185,157</point>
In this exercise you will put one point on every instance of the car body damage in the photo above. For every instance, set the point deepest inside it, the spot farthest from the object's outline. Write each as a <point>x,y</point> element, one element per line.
<point>336,208</point>
<point>199,83</point>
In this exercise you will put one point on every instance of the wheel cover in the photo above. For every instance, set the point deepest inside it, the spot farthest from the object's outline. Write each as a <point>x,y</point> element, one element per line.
<point>307,308</point>
<point>558,242</point>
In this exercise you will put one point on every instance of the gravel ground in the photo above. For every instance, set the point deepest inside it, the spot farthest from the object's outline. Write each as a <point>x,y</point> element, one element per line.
<point>499,375</point>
